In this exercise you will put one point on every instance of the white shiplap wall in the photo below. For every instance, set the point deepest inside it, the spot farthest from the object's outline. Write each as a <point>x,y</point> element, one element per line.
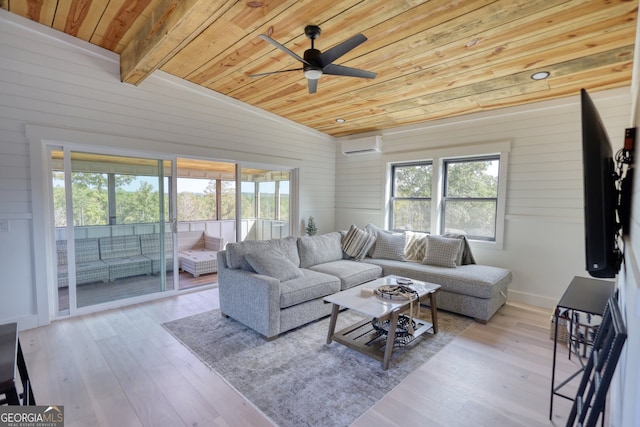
<point>544,238</point>
<point>624,399</point>
<point>50,80</point>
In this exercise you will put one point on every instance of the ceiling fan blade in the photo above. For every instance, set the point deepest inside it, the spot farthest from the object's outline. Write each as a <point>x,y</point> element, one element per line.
<point>341,70</point>
<point>282,48</point>
<point>313,85</point>
<point>274,72</point>
<point>338,50</point>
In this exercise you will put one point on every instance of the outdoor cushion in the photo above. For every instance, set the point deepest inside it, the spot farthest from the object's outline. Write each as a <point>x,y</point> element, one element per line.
<point>273,264</point>
<point>199,261</point>
<point>119,247</point>
<point>129,266</point>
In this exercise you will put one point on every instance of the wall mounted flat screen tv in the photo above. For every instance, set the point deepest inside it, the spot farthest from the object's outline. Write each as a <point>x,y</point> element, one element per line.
<point>600,195</point>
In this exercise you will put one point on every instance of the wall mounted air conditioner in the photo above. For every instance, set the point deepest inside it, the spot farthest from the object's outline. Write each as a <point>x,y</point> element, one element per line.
<point>369,144</point>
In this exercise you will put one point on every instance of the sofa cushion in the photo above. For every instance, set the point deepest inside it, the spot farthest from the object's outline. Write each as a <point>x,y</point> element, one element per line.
<point>310,286</point>
<point>357,242</point>
<point>237,251</point>
<point>319,249</point>
<point>442,251</point>
<point>273,264</point>
<point>389,246</point>
<point>349,272</point>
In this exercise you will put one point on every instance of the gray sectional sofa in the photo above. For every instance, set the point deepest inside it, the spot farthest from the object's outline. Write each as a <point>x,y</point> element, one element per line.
<point>297,273</point>
<point>273,286</point>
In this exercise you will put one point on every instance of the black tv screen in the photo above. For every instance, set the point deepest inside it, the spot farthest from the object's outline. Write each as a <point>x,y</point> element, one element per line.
<point>600,194</point>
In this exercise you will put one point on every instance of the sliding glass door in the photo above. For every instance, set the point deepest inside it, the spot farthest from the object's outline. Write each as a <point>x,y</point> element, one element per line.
<point>128,227</point>
<point>112,228</point>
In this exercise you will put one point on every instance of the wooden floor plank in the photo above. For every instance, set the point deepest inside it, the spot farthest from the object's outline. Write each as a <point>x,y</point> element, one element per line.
<point>121,367</point>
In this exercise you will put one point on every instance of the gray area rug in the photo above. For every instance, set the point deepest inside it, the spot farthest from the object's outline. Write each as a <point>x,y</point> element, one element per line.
<point>299,380</point>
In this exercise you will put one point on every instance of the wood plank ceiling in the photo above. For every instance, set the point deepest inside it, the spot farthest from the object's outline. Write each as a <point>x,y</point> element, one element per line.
<point>433,59</point>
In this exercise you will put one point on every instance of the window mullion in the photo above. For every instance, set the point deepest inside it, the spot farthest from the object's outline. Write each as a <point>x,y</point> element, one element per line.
<point>437,190</point>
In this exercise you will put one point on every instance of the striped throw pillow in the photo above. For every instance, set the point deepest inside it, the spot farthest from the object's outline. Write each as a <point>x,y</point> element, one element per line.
<point>357,242</point>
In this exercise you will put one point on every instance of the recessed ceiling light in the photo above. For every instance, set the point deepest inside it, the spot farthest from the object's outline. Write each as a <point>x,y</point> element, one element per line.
<point>540,75</point>
<point>340,120</point>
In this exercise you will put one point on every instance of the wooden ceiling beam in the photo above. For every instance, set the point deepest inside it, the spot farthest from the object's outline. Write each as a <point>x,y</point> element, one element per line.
<point>169,28</point>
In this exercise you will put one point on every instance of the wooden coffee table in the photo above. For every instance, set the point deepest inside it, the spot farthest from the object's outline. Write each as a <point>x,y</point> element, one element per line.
<point>362,336</point>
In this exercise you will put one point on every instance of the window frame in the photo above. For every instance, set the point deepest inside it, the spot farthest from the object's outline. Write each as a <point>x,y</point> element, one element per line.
<point>445,198</point>
<point>394,198</point>
<point>436,155</point>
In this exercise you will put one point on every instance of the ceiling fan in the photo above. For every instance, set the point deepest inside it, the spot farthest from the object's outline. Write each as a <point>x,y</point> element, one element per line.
<point>316,63</point>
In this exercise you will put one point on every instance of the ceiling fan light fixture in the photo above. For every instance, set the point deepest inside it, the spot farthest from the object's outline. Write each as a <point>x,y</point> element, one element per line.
<point>540,75</point>
<point>340,120</point>
<point>312,74</point>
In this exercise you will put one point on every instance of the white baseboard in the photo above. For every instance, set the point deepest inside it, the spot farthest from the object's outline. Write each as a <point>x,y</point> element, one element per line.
<point>530,299</point>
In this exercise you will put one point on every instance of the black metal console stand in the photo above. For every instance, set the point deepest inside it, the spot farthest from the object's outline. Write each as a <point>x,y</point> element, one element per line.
<point>585,295</point>
<point>11,357</point>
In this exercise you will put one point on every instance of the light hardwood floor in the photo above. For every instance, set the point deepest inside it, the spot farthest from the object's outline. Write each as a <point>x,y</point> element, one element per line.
<point>121,368</point>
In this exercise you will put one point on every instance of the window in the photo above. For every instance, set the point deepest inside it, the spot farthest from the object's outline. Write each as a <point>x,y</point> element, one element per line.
<point>470,197</point>
<point>108,198</point>
<point>411,197</point>
<point>447,195</point>
<point>197,199</point>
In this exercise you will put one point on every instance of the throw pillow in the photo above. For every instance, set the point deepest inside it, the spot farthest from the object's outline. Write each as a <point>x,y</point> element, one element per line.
<point>319,249</point>
<point>273,264</point>
<point>442,251</point>
<point>389,246</point>
<point>416,246</point>
<point>357,242</point>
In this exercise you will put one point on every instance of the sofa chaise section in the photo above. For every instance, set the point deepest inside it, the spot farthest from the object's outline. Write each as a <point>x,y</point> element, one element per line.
<point>473,290</point>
